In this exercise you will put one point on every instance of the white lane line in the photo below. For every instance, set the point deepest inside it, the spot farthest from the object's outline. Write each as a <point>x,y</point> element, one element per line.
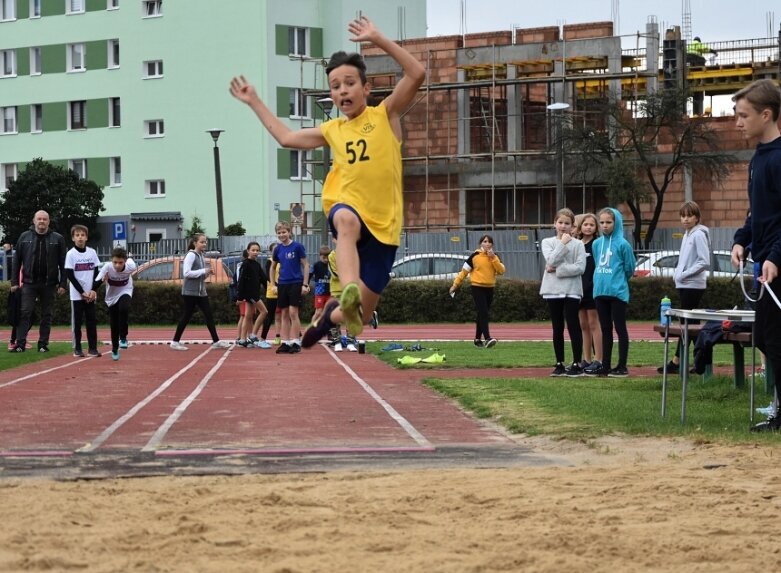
<point>159,435</point>
<point>119,422</point>
<point>40,373</point>
<point>400,420</point>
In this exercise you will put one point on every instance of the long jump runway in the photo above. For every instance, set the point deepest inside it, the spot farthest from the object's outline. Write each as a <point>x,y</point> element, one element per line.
<point>158,411</point>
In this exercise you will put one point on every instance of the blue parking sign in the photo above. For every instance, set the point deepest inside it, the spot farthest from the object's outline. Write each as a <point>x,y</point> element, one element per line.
<point>119,232</point>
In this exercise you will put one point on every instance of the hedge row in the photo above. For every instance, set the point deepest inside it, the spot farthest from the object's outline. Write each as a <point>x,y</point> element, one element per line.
<point>408,301</point>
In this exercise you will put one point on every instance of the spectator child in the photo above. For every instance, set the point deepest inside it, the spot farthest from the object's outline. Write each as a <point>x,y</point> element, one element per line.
<point>291,285</point>
<point>14,298</point>
<point>691,272</point>
<point>117,276</point>
<point>81,267</point>
<point>562,289</point>
<point>320,275</point>
<point>362,195</point>
<point>614,266</point>
<point>482,267</point>
<point>274,314</point>
<point>194,292</point>
<point>234,287</point>
<point>251,280</point>
<point>587,229</point>
<point>335,287</point>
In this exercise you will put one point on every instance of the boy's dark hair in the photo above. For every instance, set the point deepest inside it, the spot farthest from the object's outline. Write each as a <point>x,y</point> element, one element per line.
<point>81,228</point>
<point>762,94</point>
<point>342,58</point>
<point>325,250</point>
<point>119,253</point>
<point>690,208</point>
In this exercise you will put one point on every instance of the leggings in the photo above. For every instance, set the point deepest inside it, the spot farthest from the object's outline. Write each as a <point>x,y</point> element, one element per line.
<point>612,312</point>
<point>483,297</point>
<point>118,318</point>
<point>271,306</point>
<point>84,311</point>
<point>690,298</point>
<point>190,302</point>
<point>566,310</point>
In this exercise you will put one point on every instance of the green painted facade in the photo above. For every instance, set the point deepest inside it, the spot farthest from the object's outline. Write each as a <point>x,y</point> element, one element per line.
<point>202,45</point>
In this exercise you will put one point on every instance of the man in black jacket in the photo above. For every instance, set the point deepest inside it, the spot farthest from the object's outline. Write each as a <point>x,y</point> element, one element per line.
<point>40,253</point>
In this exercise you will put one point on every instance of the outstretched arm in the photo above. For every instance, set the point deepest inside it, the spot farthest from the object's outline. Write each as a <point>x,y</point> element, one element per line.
<point>307,138</point>
<point>363,30</point>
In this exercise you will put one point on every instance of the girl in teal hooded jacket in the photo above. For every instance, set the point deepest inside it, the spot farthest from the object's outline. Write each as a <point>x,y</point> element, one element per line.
<point>614,266</point>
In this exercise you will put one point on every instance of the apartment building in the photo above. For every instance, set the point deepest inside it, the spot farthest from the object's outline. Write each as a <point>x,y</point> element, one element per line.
<point>124,92</point>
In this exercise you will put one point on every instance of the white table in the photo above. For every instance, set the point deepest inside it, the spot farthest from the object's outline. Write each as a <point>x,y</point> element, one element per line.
<point>701,314</point>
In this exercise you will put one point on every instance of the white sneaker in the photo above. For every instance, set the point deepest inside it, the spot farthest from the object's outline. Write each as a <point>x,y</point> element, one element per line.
<point>221,344</point>
<point>338,347</point>
<point>351,347</point>
<point>178,346</point>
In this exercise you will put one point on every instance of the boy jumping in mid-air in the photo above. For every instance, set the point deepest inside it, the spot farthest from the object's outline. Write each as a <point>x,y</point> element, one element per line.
<point>362,194</point>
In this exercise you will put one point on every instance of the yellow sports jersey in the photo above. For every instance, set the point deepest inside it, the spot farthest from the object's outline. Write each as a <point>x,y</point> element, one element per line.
<point>366,171</point>
<point>269,292</point>
<point>336,286</point>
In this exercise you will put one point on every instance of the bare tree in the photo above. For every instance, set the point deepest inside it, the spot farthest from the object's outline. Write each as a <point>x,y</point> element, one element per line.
<point>627,152</point>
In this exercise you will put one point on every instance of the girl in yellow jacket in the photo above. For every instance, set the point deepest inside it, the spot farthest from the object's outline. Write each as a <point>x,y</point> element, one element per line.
<point>484,266</point>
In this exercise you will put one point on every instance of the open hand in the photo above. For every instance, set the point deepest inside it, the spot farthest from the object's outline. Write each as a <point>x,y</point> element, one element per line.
<point>362,29</point>
<point>242,90</point>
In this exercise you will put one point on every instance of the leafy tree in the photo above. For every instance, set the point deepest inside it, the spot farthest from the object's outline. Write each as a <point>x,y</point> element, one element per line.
<point>196,227</point>
<point>235,230</point>
<point>624,154</point>
<point>59,191</point>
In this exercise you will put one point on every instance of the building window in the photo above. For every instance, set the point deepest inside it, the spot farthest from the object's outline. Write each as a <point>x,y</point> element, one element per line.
<point>79,167</point>
<point>299,104</point>
<point>75,54</point>
<point>115,166</point>
<point>35,8</point>
<point>8,174</point>
<point>36,118</point>
<point>74,6</point>
<point>298,41</point>
<point>154,128</point>
<point>113,53</point>
<point>112,5</point>
<point>8,62</point>
<point>114,112</point>
<point>77,111</point>
<point>7,9</point>
<point>35,61</point>
<point>8,117</point>
<point>155,188</point>
<point>152,8</point>
<point>298,165</point>
<point>153,69</point>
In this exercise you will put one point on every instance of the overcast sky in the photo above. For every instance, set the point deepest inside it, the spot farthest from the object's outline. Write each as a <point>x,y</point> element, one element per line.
<point>712,20</point>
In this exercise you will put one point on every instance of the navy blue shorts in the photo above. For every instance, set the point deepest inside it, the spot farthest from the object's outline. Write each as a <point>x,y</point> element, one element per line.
<point>375,258</point>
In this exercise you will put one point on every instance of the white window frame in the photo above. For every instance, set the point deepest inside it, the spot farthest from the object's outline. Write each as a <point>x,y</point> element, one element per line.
<point>79,166</point>
<point>112,5</point>
<point>7,10</point>
<point>36,119</point>
<point>5,169</point>
<point>76,56</point>
<point>154,128</point>
<point>113,54</point>
<point>35,61</point>
<point>113,120</point>
<point>154,188</point>
<point>35,9</point>
<point>8,63</point>
<point>293,41</point>
<point>157,72</point>
<point>8,114</point>
<point>152,8</point>
<point>299,100</point>
<point>74,6</point>
<point>83,114</point>
<point>115,172</point>
<point>298,165</point>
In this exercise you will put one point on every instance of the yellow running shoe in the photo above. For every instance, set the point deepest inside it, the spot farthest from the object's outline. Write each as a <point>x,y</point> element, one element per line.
<point>350,303</point>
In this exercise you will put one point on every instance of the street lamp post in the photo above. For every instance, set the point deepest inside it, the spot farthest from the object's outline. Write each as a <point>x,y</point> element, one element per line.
<point>215,133</point>
<point>558,109</point>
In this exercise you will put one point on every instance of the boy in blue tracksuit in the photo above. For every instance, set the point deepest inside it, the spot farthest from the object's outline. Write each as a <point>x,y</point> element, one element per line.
<point>614,266</point>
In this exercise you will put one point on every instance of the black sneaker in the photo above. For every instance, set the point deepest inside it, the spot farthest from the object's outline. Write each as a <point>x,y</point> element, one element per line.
<point>295,348</point>
<point>559,371</point>
<point>618,372</point>
<point>94,352</point>
<point>490,343</point>
<point>594,369</point>
<point>283,349</point>
<point>78,353</point>
<point>320,328</point>
<point>43,348</point>
<point>772,424</point>
<point>17,348</point>
<point>375,320</point>
<point>478,343</point>
<point>672,368</point>
<point>574,371</point>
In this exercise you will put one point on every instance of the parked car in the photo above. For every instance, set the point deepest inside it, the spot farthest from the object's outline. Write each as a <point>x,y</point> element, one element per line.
<point>169,269</point>
<point>662,264</point>
<point>426,266</point>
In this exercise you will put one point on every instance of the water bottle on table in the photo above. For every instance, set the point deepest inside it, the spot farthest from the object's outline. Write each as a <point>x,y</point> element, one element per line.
<point>663,308</point>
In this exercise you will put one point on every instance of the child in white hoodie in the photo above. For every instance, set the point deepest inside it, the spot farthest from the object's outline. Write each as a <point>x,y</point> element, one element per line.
<point>691,272</point>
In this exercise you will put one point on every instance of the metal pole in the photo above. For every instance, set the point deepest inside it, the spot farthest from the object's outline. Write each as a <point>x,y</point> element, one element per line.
<point>218,183</point>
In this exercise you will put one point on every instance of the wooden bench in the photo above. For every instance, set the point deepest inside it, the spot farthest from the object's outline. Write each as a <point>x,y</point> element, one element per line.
<point>739,341</point>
